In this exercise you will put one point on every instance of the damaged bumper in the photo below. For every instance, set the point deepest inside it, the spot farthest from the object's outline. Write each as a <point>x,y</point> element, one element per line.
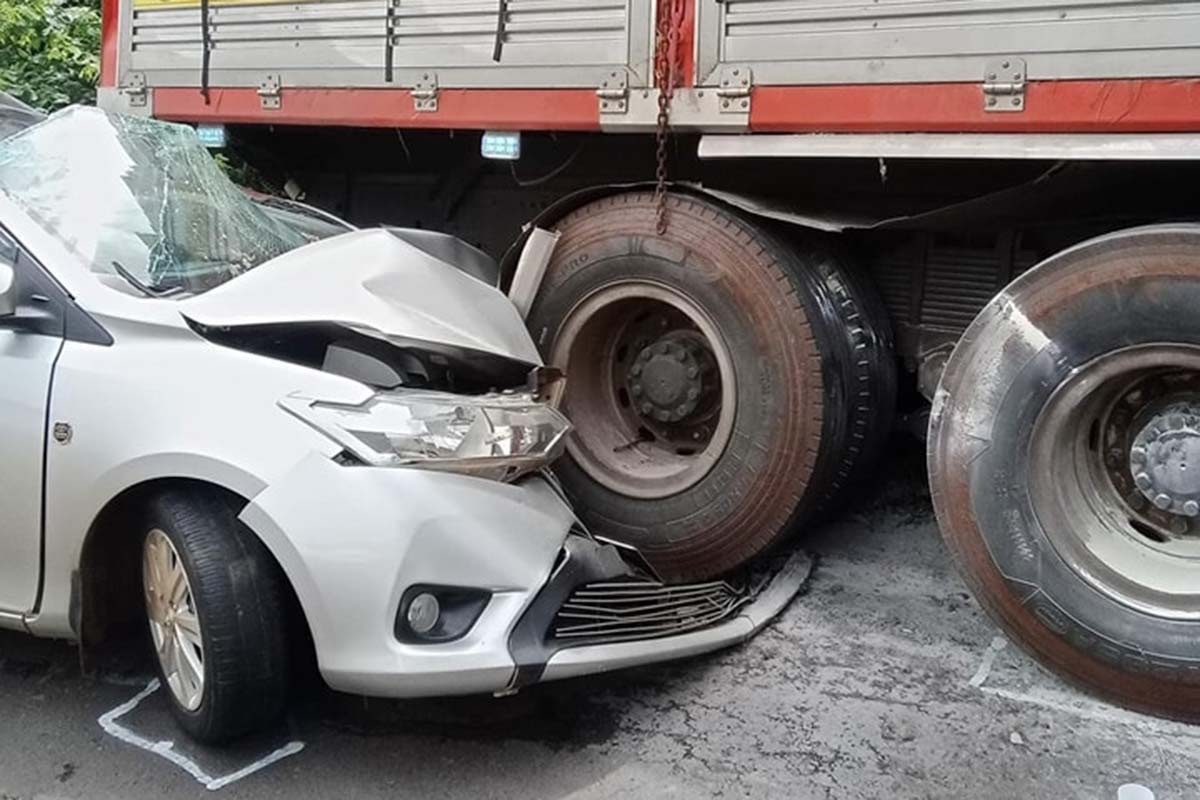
<point>357,543</point>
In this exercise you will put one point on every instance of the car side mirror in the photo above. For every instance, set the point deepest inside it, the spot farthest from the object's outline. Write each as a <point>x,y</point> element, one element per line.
<point>8,290</point>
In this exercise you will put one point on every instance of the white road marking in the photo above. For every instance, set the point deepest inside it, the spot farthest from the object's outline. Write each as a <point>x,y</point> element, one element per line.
<point>989,658</point>
<point>1166,732</point>
<point>166,749</point>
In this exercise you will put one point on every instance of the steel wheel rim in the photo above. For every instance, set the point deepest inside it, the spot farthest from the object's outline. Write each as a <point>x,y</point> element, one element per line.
<point>174,622</point>
<point>608,442</point>
<point>1092,514</point>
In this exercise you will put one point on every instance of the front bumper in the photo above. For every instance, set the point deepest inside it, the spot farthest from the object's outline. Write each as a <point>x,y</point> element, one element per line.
<point>352,540</point>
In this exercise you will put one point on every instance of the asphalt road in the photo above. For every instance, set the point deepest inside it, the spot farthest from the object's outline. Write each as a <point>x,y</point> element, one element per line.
<point>883,680</point>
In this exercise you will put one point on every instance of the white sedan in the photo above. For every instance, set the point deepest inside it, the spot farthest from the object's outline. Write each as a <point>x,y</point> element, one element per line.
<point>242,437</point>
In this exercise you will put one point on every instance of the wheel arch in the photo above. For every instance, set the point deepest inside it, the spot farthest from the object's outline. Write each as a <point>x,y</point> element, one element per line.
<point>741,203</point>
<point>106,600</point>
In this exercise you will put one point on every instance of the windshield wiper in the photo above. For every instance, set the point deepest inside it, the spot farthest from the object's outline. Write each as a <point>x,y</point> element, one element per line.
<point>149,291</point>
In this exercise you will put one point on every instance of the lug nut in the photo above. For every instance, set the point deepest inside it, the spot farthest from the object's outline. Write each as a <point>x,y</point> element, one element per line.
<point>1143,480</point>
<point>693,372</point>
<point>1179,526</point>
<point>1163,501</point>
<point>1138,455</point>
<point>693,393</point>
<point>636,389</point>
<point>647,408</point>
<point>636,369</point>
<point>1191,508</point>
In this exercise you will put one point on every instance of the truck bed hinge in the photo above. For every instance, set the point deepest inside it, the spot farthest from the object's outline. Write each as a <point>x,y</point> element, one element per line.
<point>614,92</point>
<point>734,89</point>
<point>134,87</point>
<point>270,92</point>
<point>425,92</point>
<point>1004,82</point>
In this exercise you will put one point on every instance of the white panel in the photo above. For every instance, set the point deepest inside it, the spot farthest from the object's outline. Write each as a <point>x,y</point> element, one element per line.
<point>859,41</point>
<point>554,43</point>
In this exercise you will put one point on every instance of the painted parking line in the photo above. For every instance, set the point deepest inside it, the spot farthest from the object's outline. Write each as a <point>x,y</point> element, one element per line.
<point>166,749</point>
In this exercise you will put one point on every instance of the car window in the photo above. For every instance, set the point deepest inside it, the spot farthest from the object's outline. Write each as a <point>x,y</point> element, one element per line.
<point>8,250</point>
<point>139,200</point>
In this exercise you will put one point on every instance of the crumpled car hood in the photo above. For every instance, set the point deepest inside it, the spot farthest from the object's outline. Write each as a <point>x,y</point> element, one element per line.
<point>376,284</point>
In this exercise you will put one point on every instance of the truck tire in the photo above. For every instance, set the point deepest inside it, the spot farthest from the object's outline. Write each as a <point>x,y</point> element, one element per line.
<point>698,364</point>
<point>1059,456</point>
<point>215,603</point>
<point>861,391</point>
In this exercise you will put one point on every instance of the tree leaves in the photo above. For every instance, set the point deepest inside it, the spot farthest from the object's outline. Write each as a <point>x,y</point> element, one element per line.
<point>50,51</point>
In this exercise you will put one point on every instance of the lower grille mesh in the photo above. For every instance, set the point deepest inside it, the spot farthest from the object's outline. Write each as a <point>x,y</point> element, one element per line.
<point>617,611</point>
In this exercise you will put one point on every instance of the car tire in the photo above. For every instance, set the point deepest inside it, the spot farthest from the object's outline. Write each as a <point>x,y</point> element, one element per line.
<point>1050,406</point>
<point>227,616</point>
<point>614,291</point>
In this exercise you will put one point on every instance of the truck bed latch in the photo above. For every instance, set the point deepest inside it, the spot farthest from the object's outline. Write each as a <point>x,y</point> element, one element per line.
<point>134,87</point>
<point>1004,82</point>
<point>614,92</point>
<point>425,92</point>
<point>270,92</point>
<point>734,91</point>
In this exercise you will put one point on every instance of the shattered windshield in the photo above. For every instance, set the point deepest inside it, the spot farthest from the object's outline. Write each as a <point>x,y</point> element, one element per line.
<point>140,202</point>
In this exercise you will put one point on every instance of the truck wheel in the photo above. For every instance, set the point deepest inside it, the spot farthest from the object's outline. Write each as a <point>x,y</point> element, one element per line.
<point>694,379</point>
<point>1065,465</point>
<point>215,606</point>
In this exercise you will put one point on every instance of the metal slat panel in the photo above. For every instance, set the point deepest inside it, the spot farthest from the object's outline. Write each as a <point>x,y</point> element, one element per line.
<point>463,34</point>
<point>854,41</point>
<point>550,43</point>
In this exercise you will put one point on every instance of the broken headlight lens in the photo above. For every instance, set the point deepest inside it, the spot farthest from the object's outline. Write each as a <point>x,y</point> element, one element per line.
<point>498,436</point>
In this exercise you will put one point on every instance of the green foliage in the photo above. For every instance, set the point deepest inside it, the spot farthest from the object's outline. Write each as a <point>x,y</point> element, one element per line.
<point>50,51</point>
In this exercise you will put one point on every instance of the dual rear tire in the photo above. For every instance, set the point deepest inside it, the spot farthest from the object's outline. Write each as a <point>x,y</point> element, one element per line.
<point>725,384</point>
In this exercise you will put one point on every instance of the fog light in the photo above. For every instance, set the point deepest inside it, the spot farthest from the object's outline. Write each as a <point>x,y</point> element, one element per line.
<point>423,613</point>
<point>432,614</point>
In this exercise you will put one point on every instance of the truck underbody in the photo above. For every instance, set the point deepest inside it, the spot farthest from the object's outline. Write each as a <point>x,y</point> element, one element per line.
<point>782,230</point>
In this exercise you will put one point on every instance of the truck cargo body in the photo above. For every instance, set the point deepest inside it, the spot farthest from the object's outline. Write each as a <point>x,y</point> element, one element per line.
<point>756,65</point>
<point>775,231</point>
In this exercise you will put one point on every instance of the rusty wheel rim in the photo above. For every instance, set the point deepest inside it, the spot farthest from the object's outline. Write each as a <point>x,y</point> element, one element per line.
<point>1110,482</point>
<point>650,388</point>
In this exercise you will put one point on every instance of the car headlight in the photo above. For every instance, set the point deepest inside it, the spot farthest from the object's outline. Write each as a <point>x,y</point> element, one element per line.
<point>499,436</point>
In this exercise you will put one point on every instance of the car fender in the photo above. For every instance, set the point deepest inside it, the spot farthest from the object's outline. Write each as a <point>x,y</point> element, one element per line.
<point>163,404</point>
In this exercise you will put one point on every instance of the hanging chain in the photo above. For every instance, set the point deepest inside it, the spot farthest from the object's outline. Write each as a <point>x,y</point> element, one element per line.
<point>666,75</point>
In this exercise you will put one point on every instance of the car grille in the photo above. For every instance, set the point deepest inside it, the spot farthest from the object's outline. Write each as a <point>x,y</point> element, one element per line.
<point>616,611</point>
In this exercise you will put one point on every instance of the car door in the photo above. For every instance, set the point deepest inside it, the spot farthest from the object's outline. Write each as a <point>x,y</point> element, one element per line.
<point>30,342</point>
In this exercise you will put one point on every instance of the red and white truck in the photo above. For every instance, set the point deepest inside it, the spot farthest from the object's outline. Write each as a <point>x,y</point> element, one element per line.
<point>757,233</point>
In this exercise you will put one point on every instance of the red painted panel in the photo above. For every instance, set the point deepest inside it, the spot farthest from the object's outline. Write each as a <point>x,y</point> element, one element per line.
<point>109,28</point>
<point>687,46</point>
<point>1051,106</point>
<point>1063,106</point>
<point>507,109</point>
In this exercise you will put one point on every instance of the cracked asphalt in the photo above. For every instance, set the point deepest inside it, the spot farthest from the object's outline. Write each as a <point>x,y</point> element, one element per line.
<point>883,680</point>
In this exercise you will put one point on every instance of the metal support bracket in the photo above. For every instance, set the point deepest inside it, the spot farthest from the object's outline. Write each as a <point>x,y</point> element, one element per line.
<point>1004,81</point>
<point>270,92</point>
<point>425,92</point>
<point>736,81</point>
<point>134,88</point>
<point>614,93</point>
